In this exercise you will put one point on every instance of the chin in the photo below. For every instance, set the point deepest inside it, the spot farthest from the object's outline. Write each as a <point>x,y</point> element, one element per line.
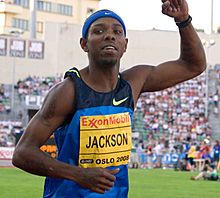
<point>108,62</point>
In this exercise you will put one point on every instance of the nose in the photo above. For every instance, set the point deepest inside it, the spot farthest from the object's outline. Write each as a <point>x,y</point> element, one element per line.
<point>109,35</point>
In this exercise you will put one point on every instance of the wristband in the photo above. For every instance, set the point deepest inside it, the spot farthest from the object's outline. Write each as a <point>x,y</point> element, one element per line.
<point>184,23</point>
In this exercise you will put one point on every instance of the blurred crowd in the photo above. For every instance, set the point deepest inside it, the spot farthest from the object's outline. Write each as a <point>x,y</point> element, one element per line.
<point>4,99</point>
<point>37,86</point>
<point>168,121</point>
<point>8,132</point>
<point>174,121</point>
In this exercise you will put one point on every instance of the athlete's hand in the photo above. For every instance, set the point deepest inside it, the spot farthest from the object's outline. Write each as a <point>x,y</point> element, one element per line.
<point>178,9</point>
<point>97,179</point>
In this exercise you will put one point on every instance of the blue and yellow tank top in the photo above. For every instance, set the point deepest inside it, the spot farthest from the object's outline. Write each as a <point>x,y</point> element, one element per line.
<point>98,135</point>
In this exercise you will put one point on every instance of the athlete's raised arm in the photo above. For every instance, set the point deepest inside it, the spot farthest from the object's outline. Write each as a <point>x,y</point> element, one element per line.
<point>190,63</point>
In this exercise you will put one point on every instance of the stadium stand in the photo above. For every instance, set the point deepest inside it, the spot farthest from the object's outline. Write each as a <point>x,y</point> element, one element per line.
<point>165,123</point>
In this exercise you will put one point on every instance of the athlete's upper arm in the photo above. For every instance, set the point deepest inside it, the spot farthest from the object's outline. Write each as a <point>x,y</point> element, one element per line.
<point>57,106</point>
<point>146,78</point>
<point>168,74</point>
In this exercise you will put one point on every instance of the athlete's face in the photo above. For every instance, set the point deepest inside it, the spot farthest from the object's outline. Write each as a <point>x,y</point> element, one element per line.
<point>105,42</point>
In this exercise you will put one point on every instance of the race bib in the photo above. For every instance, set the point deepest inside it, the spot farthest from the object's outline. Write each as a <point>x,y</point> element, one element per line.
<point>105,140</point>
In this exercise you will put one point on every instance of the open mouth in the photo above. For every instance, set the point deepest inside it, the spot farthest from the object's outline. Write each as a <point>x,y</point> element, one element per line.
<point>109,48</point>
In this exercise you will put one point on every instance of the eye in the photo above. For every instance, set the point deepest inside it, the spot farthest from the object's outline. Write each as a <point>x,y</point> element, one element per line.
<point>98,31</point>
<point>118,31</point>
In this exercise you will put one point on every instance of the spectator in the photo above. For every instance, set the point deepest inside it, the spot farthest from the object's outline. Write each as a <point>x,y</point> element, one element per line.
<point>149,157</point>
<point>158,150</point>
<point>216,153</point>
<point>192,156</point>
<point>208,173</point>
<point>140,153</point>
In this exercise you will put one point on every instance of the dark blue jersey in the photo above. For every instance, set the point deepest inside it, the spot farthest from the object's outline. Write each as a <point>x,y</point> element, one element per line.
<point>97,135</point>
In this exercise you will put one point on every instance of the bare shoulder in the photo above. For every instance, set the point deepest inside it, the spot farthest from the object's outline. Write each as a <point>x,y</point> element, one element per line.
<point>57,106</point>
<point>60,99</point>
<point>65,87</point>
<point>137,76</point>
<point>137,70</point>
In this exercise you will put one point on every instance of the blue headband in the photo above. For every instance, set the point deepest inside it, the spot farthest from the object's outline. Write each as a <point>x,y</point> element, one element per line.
<point>101,14</point>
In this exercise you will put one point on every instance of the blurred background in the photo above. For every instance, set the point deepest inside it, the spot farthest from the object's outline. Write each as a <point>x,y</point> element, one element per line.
<point>39,41</point>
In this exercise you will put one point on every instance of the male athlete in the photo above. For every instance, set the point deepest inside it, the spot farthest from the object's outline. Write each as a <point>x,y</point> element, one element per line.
<point>90,111</point>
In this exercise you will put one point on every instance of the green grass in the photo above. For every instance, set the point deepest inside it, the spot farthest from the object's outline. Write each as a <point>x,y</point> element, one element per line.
<point>170,184</point>
<point>156,183</point>
<point>15,183</point>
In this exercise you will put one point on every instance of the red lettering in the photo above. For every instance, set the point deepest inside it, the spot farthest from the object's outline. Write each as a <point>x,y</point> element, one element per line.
<point>92,123</point>
<point>100,122</point>
<point>84,121</point>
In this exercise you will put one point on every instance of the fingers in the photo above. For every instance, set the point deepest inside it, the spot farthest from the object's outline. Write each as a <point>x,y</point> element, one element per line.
<point>177,9</point>
<point>103,186</point>
<point>98,190</point>
<point>171,5</point>
<point>108,180</point>
<point>175,2</point>
<point>166,7</point>
<point>114,171</point>
<point>98,180</point>
<point>180,2</point>
<point>110,174</point>
<point>176,5</point>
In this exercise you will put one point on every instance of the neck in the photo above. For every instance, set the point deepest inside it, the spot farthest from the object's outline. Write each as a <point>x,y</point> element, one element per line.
<point>101,79</point>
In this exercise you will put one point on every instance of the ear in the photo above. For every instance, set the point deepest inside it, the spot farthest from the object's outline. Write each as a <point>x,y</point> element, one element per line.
<point>126,44</point>
<point>83,43</point>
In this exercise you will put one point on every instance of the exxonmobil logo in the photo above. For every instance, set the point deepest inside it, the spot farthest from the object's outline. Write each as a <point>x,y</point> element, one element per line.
<point>97,121</point>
